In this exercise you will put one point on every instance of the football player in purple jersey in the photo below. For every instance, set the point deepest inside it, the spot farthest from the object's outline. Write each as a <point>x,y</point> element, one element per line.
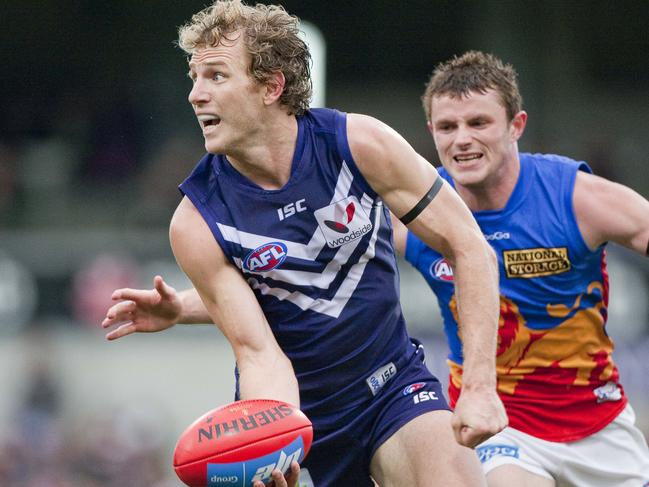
<point>270,283</point>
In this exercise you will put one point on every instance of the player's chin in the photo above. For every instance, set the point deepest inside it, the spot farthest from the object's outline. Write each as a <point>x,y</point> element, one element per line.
<point>213,148</point>
<point>468,177</point>
<point>213,145</point>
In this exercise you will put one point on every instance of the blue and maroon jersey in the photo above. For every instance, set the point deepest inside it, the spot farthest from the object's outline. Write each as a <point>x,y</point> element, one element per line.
<point>318,255</point>
<point>556,376</point>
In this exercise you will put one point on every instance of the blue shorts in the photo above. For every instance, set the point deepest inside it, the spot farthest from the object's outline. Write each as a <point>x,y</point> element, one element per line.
<point>342,455</point>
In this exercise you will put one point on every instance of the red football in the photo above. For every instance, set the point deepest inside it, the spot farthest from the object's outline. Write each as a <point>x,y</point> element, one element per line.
<point>242,442</point>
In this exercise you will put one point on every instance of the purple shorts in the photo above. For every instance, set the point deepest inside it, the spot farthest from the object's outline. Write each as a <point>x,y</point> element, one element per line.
<point>342,455</point>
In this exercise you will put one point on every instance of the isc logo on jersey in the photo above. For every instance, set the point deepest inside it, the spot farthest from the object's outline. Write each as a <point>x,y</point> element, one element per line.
<point>265,257</point>
<point>441,270</point>
<point>343,222</point>
<point>421,396</point>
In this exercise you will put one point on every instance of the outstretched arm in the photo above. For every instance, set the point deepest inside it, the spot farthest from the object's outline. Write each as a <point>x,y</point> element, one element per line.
<point>610,212</point>
<point>265,371</point>
<point>402,177</point>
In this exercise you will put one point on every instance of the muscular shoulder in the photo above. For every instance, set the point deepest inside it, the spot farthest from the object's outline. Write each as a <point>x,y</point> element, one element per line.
<point>370,139</point>
<point>191,239</point>
<point>185,219</point>
<point>382,155</point>
<point>608,211</point>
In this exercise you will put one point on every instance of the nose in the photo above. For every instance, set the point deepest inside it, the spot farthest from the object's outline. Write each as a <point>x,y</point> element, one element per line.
<point>463,136</point>
<point>198,94</point>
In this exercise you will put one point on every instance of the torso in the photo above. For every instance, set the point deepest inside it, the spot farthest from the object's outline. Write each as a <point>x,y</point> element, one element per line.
<point>317,254</point>
<point>555,371</point>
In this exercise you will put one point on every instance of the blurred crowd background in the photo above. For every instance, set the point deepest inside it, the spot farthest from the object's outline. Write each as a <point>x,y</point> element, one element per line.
<point>96,134</point>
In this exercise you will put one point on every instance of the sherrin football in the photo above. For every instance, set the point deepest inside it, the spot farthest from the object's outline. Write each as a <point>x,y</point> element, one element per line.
<point>239,443</point>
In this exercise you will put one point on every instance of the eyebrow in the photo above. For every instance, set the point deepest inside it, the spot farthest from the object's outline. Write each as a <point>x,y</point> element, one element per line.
<point>443,120</point>
<point>211,64</point>
<point>193,64</point>
<point>480,116</point>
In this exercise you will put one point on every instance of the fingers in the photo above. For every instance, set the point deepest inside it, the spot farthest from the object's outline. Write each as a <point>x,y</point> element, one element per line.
<point>121,331</point>
<point>457,429</point>
<point>122,311</point>
<point>477,417</point>
<point>290,479</point>
<point>464,434</point>
<point>470,437</point>
<point>472,433</point>
<point>162,287</point>
<point>137,295</point>
<point>279,480</point>
<point>293,475</point>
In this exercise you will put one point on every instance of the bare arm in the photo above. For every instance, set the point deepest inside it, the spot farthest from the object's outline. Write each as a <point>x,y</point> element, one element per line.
<point>264,369</point>
<point>399,234</point>
<point>192,310</point>
<point>608,211</point>
<point>402,177</point>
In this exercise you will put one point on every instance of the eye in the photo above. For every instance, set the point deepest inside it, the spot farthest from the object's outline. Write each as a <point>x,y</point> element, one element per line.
<point>479,122</point>
<point>218,76</point>
<point>444,127</point>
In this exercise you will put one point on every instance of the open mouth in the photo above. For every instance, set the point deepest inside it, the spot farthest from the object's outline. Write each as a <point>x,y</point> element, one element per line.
<point>466,158</point>
<point>209,120</point>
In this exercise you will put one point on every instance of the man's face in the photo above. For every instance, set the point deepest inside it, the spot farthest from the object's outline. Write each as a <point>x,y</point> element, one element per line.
<point>475,142</point>
<point>226,100</point>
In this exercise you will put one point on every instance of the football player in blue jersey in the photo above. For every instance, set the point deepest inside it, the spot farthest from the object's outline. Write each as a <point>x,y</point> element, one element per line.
<point>548,218</point>
<point>284,234</point>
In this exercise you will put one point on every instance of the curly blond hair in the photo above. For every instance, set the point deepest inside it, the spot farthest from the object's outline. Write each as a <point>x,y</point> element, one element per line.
<point>271,37</point>
<point>478,72</point>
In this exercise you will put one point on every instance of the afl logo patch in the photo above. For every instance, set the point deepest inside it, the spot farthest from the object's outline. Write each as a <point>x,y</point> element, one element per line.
<point>441,270</point>
<point>413,388</point>
<point>265,257</point>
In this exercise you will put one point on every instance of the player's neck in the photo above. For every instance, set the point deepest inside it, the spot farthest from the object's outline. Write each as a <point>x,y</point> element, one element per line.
<point>266,159</point>
<point>494,192</point>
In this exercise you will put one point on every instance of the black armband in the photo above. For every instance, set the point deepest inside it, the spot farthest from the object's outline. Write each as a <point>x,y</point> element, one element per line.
<point>424,202</point>
<point>647,252</point>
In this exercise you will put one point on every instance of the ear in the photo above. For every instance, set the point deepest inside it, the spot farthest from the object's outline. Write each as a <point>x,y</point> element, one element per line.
<point>517,125</point>
<point>274,87</point>
<point>429,126</point>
